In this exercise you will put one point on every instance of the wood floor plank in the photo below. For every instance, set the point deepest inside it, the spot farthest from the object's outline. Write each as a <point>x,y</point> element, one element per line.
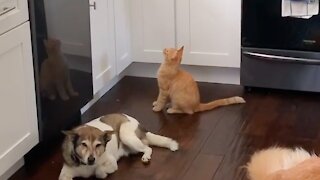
<point>222,136</point>
<point>203,167</point>
<point>213,145</point>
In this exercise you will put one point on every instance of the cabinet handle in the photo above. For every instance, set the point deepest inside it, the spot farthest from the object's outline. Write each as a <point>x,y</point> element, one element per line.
<point>93,5</point>
<point>5,9</point>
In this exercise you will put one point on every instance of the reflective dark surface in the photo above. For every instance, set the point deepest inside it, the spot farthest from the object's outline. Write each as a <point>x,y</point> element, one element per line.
<point>214,145</point>
<point>62,60</point>
<point>261,69</point>
<point>263,27</point>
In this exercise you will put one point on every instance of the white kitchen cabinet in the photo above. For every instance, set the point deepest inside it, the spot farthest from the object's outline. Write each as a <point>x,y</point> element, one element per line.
<point>102,42</point>
<point>153,28</point>
<point>122,34</point>
<point>110,40</point>
<point>12,13</point>
<point>18,125</point>
<point>209,30</point>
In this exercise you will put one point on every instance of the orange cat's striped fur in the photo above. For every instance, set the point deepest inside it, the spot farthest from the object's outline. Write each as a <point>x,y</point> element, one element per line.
<point>179,87</point>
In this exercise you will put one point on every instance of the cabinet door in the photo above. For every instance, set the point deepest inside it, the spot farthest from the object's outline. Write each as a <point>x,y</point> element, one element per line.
<point>210,32</point>
<point>122,32</point>
<point>12,13</point>
<point>18,125</point>
<point>102,42</point>
<point>153,28</point>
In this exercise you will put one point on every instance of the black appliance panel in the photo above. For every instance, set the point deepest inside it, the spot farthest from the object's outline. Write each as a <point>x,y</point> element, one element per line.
<point>68,23</point>
<point>263,27</point>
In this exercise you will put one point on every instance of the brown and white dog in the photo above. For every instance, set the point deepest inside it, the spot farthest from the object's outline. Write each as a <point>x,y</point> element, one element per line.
<point>94,148</point>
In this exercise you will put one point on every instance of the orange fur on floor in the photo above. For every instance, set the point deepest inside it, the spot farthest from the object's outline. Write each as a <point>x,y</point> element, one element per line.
<point>284,164</point>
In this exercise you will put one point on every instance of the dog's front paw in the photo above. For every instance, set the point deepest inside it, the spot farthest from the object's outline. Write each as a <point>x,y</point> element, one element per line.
<point>101,174</point>
<point>146,158</point>
<point>109,167</point>
<point>174,146</point>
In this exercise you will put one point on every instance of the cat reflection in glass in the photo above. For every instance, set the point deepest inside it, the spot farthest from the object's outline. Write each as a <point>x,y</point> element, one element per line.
<point>54,73</point>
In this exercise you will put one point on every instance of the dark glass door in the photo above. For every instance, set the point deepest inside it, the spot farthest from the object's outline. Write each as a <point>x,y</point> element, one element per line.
<point>62,59</point>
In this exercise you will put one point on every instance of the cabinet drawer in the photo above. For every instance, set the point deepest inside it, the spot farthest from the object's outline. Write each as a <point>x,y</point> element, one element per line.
<point>12,13</point>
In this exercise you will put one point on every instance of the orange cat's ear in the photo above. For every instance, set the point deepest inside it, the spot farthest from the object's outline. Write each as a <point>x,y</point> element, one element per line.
<point>45,42</point>
<point>180,53</point>
<point>57,41</point>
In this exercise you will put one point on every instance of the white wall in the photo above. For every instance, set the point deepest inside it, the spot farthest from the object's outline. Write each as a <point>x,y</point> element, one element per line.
<point>68,20</point>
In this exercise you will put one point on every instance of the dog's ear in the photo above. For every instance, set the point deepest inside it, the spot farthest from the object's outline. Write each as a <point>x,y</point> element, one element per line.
<point>68,147</point>
<point>107,136</point>
<point>70,134</point>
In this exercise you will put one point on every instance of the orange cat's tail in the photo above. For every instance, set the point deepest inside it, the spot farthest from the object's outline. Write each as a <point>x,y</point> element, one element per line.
<point>220,102</point>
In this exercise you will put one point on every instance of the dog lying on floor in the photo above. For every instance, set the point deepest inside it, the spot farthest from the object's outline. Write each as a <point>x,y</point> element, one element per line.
<point>284,164</point>
<point>95,148</point>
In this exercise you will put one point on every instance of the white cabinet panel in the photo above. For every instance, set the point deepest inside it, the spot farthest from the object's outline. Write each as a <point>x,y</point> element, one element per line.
<point>153,23</point>
<point>122,32</point>
<point>102,43</point>
<point>18,125</point>
<point>210,31</point>
<point>12,13</point>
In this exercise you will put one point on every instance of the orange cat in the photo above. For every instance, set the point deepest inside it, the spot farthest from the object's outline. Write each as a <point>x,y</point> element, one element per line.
<point>54,73</point>
<point>179,87</point>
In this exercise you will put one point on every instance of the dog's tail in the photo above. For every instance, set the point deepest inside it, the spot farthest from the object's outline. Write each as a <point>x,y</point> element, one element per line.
<point>268,161</point>
<point>161,141</point>
<point>219,102</point>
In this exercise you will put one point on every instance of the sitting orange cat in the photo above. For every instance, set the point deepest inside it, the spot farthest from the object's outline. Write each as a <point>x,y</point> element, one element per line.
<point>179,86</point>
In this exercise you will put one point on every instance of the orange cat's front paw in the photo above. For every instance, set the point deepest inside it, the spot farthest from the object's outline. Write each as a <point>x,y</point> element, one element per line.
<point>74,93</point>
<point>65,98</point>
<point>174,111</point>
<point>157,108</point>
<point>155,103</point>
<point>52,97</point>
<point>171,111</point>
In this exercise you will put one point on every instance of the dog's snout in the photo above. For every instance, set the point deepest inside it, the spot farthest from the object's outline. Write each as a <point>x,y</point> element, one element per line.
<point>91,160</point>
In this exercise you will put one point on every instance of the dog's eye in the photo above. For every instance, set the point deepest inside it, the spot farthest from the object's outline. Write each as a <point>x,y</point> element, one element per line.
<point>84,144</point>
<point>98,145</point>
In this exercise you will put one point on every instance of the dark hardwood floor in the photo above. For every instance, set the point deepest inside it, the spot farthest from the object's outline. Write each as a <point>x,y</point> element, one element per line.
<point>214,145</point>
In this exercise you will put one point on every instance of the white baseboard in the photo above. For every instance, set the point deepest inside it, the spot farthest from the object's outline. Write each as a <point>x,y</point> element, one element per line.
<point>200,73</point>
<point>12,170</point>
